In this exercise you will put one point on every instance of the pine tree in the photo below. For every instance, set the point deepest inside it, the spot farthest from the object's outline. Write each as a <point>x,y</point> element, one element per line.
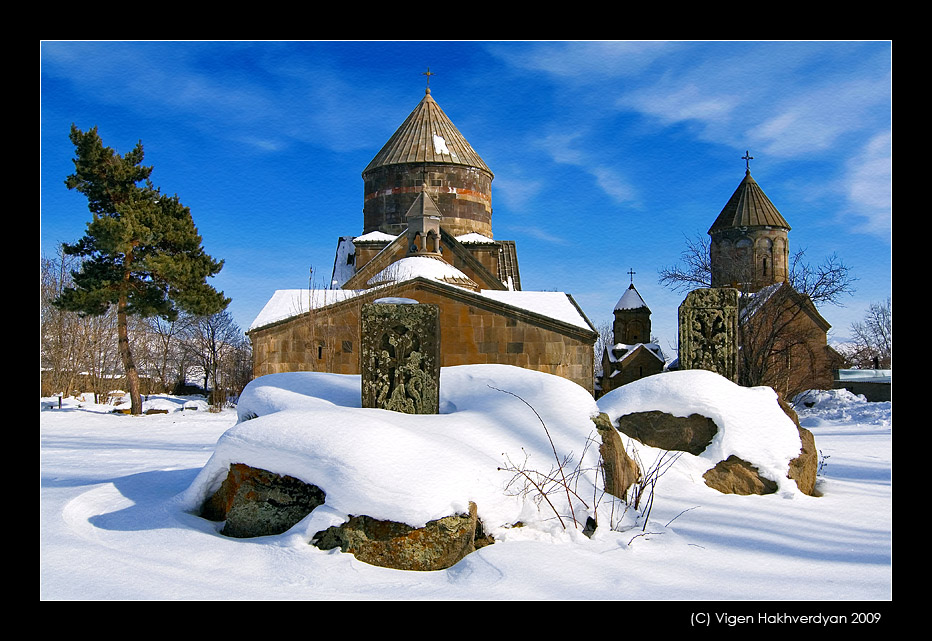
<point>141,252</point>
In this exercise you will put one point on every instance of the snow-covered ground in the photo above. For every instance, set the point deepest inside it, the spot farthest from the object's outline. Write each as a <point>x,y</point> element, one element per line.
<point>117,494</point>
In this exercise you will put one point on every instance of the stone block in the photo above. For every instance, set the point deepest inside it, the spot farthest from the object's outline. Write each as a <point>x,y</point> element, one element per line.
<point>708,331</point>
<point>400,357</point>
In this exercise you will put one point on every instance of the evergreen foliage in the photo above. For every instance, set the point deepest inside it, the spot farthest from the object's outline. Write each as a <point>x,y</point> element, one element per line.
<point>142,252</point>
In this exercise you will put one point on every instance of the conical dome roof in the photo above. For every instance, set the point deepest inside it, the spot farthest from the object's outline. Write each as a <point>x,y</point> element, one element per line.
<point>427,136</point>
<point>631,299</point>
<point>748,207</point>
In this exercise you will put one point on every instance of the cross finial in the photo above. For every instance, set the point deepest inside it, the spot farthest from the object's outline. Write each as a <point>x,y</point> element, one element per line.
<point>631,273</point>
<point>428,74</point>
<point>747,158</point>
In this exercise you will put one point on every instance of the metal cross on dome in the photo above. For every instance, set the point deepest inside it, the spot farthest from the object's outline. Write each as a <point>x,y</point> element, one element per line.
<point>428,73</point>
<point>631,273</point>
<point>747,158</point>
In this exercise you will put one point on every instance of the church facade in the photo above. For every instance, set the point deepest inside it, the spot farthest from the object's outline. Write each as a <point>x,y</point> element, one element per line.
<point>427,235</point>
<point>782,337</point>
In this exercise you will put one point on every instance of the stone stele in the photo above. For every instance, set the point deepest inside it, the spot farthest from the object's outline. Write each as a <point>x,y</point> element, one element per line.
<point>708,331</point>
<point>400,357</point>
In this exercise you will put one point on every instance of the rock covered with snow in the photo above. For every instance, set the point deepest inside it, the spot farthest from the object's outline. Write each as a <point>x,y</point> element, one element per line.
<point>751,424</point>
<point>410,468</point>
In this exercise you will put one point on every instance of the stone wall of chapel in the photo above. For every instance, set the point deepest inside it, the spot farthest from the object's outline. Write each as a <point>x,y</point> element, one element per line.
<point>469,334</point>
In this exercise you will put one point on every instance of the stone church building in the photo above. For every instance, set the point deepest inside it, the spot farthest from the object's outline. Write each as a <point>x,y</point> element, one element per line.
<point>427,236</point>
<point>632,355</point>
<point>782,336</point>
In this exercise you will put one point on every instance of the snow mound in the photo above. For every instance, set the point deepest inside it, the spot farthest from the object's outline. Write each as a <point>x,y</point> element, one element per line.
<point>751,423</point>
<point>821,407</point>
<point>411,468</point>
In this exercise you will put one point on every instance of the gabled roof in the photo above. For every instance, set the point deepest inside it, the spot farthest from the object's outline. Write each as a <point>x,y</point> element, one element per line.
<point>423,207</point>
<point>774,294</point>
<point>556,310</point>
<point>748,207</point>
<point>427,135</point>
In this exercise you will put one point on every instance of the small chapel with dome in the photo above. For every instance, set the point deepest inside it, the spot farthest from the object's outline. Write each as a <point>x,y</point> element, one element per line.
<point>427,235</point>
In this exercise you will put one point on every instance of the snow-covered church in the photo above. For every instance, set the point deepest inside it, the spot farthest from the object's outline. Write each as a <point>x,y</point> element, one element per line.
<point>427,235</point>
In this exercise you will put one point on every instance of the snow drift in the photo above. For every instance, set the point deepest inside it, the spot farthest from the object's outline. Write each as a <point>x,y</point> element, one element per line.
<point>494,420</point>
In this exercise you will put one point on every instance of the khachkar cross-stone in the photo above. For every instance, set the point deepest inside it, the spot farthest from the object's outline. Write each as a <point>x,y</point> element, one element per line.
<point>708,331</point>
<point>400,356</point>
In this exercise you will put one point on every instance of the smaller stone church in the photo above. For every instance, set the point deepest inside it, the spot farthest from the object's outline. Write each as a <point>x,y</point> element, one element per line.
<point>632,354</point>
<point>427,236</point>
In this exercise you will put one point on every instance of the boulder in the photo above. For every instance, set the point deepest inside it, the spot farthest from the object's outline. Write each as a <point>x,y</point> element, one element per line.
<point>736,476</point>
<point>618,469</point>
<point>437,545</point>
<point>732,476</point>
<point>658,429</point>
<point>803,468</point>
<point>256,502</point>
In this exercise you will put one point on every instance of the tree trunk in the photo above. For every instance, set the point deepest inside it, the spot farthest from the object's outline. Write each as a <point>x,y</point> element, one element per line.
<point>129,366</point>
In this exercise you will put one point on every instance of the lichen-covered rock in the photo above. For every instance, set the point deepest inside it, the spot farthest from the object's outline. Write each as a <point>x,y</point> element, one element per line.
<point>658,429</point>
<point>438,545</point>
<point>256,502</point>
<point>618,469</point>
<point>803,468</point>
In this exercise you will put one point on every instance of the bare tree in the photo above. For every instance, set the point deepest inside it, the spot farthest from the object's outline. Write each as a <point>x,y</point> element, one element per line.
<point>59,342</point>
<point>826,282</point>
<point>777,347</point>
<point>872,338</point>
<point>695,268</point>
<point>165,357</point>
<point>210,342</point>
<point>78,353</point>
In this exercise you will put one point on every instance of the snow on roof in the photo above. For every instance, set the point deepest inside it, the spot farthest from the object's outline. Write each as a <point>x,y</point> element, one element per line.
<point>474,237</point>
<point>344,265</point>
<point>556,305</point>
<point>621,351</point>
<point>286,303</point>
<point>866,375</point>
<point>630,300</point>
<point>417,266</point>
<point>375,236</point>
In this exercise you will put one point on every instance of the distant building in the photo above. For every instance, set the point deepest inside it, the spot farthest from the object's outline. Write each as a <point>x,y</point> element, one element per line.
<point>427,235</point>
<point>782,336</point>
<point>632,355</point>
<point>873,384</point>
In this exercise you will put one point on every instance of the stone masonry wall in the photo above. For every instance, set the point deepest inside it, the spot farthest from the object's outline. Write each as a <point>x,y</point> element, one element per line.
<point>470,334</point>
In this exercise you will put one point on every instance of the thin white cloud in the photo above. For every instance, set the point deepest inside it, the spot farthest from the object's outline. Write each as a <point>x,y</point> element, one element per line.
<point>564,148</point>
<point>583,62</point>
<point>870,188</point>
<point>537,233</point>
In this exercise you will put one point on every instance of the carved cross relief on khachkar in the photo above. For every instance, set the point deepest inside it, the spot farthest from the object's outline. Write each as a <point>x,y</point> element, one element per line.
<point>708,320</point>
<point>400,357</point>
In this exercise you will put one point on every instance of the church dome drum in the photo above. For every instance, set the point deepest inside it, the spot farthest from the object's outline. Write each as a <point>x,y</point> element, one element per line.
<point>428,151</point>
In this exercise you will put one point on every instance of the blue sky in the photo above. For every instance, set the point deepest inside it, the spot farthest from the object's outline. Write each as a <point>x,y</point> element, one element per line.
<point>607,155</point>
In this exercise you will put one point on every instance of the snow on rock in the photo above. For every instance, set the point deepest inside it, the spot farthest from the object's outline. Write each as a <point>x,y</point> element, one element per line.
<point>751,423</point>
<point>409,468</point>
